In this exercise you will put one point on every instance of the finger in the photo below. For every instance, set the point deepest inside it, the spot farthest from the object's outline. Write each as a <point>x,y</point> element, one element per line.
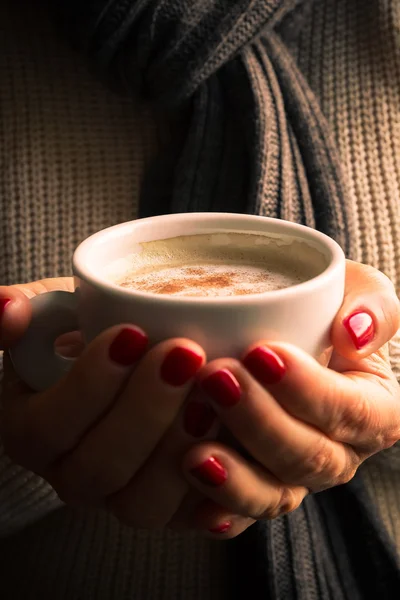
<point>15,308</point>
<point>205,516</point>
<point>40,428</point>
<point>41,286</point>
<point>358,408</point>
<point>117,447</point>
<point>219,523</point>
<point>15,315</point>
<point>370,314</point>
<point>294,451</point>
<point>139,504</point>
<point>229,480</point>
<point>70,345</point>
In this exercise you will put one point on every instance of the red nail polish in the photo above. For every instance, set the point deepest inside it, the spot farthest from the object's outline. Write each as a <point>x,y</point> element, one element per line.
<point>129,345</point>
<point>265,365</point>
<point>223,388</point>
<point>3,303</point>
<point>211,472</point>
<point>361,329</point>
<point>223,528</point>
<point>180,365</point>
<point>198,419</point>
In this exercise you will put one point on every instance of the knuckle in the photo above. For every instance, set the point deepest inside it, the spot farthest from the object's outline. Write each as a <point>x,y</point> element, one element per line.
<point>289,501</point>
<point>390,437</point>
<point>320,463</point>
<point>347,475</point>
<point>356,417</point>
<point>347,467</point>
<point>286,502</point>
<point>392,434</point>
<point>263,512</point>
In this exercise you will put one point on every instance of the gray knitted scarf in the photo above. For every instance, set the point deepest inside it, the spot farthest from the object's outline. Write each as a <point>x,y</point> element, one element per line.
<point>250,138</point>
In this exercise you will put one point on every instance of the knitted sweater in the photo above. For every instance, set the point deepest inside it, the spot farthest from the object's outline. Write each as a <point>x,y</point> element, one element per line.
<point>71,162</point>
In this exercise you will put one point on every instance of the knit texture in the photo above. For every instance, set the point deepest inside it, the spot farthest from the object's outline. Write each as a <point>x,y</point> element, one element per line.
<point>255,139</point>
<point>50,173</point>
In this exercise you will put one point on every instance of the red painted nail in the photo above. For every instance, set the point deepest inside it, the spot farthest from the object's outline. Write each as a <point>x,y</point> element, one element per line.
<point>211,472</point>
<point>3,303</point>
<point>129,345</point>
<point>265,365</point>
<point>198,419</point>
<point>361,329</point>
<point>223,388</point>
<point>223,528</point>
<point>180,365</point>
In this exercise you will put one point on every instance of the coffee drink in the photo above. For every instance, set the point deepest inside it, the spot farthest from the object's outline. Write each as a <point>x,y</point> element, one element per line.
<point>214,264</point>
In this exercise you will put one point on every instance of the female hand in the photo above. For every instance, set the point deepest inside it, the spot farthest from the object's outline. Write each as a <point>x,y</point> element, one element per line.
<point>305,427</point>
<point>156,490</point>
<point>91,434</point>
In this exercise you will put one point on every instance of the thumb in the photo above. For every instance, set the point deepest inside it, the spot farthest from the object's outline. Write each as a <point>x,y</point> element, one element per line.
<point>370,314</point>
<point>15,308</point>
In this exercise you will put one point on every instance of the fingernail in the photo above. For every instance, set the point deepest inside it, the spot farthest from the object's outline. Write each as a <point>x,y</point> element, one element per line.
<point>265,365</point>
<point>222,387</point>
<point>129,345</point>
<point>180,365</point>
<point>211,472</point>
<point>198,419</point>
<point>361,329</point>
<point>3,303</point>
<point>223,528</point>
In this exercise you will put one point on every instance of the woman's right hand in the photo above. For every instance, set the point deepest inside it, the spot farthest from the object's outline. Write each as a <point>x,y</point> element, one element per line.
<point>91,434</point>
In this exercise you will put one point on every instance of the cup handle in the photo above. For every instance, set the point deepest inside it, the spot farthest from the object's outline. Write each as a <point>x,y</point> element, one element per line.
<point>34,357</point>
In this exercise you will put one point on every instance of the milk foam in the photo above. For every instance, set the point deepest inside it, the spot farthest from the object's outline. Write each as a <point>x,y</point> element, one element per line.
<point>212,265</point>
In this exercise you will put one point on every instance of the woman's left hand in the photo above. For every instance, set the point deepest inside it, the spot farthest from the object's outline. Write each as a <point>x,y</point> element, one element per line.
<point>305,427</point>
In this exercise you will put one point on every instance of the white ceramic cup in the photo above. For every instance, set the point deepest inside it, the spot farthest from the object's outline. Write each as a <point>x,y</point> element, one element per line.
<point>223,326</point>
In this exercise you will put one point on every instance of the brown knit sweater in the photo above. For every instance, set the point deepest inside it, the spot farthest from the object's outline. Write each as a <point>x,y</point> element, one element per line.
<point>71,160</point>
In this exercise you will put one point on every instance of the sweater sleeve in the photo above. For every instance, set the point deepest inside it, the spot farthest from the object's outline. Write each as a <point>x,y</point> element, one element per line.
<point>24,496</point>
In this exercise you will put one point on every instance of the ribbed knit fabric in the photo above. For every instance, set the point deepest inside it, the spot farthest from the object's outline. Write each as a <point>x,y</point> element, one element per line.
<point>255,140</point>
<point>349,52</point>
<point>65,141</point>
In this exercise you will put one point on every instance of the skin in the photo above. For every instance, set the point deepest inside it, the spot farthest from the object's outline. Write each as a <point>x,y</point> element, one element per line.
<point>113,436</point>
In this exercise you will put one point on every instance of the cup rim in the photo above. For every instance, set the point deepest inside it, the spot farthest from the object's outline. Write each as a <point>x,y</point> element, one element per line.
<point>302,232</point>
